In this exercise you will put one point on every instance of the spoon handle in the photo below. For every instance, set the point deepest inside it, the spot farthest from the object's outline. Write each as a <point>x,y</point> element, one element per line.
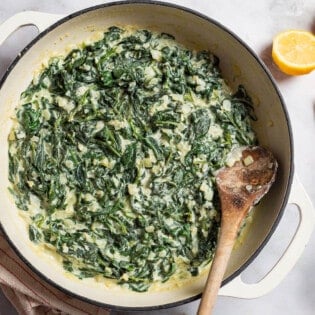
<point>227,236</point>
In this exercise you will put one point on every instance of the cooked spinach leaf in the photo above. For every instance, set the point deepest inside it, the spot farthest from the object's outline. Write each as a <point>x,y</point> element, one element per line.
<point>113,156</point>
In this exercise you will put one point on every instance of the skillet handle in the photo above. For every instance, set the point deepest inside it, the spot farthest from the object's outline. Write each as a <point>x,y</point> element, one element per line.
<point>238,288</point>
<point>39,19</point>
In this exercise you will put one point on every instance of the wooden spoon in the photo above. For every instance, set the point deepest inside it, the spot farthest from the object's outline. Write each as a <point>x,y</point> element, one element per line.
<point>240,187</point>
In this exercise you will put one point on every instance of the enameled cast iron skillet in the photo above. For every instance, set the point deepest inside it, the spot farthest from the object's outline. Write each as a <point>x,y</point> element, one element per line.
<point>239,66</point>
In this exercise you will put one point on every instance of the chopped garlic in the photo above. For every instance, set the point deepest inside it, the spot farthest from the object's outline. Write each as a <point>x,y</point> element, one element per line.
<point>248,160</point>
<point>207,190</point>
<point>117,124</point>
<point>156,54</point>
<point>64,103</point>
<point>133,189</point>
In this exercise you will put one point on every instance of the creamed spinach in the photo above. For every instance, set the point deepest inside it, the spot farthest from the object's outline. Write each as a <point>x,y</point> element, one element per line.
<point>113,153</point>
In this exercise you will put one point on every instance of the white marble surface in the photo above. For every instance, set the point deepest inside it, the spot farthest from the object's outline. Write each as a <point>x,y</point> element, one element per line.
<point>256,22</point>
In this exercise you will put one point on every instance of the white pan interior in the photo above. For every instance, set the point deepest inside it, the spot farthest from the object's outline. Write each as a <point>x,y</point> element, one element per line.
<point>238,66</point>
